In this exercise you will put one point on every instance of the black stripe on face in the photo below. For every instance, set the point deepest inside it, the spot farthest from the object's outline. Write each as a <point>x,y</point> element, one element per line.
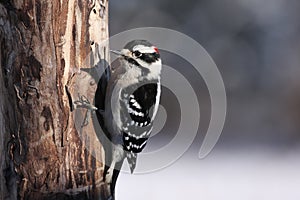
<point>134,62</point>
<point>149,57</point>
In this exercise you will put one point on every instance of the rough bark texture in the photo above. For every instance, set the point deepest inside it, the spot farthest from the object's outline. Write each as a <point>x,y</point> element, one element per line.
<point>43,46</point>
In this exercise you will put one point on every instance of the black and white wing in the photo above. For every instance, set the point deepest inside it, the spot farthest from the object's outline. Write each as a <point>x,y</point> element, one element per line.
<point>140,107</point>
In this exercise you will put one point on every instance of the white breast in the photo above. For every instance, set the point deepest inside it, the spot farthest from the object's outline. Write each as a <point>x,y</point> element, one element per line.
<point>132,76</point>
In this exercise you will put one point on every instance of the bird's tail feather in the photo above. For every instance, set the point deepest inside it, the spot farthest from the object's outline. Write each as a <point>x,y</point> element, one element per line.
<point>131,158</point>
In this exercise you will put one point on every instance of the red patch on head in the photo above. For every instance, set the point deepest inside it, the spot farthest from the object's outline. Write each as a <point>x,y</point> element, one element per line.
<point>156,49</point>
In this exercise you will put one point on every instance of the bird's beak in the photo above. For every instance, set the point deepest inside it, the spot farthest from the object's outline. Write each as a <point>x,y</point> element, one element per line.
<point>123,53</point>
<point>119,53</point>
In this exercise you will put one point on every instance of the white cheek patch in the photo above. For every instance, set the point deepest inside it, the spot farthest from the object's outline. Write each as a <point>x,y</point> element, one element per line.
<point>144,49</point>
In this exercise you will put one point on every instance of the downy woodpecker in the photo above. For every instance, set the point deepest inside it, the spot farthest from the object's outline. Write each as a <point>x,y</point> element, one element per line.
<point>127,100</point>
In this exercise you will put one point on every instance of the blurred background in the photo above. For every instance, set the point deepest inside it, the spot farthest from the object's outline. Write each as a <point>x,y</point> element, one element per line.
<point>256,46</point>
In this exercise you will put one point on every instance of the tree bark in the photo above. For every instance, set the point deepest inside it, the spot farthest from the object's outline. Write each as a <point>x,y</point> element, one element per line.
<point>43,46</point>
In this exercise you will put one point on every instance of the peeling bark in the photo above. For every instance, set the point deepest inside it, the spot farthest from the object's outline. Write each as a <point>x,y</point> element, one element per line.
<point>43,46</point>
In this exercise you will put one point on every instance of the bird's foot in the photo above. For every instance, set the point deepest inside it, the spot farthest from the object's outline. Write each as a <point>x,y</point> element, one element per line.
<point>83,102</point>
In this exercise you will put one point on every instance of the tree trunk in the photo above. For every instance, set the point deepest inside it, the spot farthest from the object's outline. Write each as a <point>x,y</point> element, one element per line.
<point>43,46</point>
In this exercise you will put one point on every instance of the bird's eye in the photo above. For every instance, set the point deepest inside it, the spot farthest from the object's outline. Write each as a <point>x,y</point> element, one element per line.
<point>137,54</point>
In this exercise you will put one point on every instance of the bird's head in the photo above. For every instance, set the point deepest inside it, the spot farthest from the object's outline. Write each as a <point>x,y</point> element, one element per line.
<point>141,54</point>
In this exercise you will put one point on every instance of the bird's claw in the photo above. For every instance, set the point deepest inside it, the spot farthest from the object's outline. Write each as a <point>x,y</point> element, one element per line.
<point>83,102</point>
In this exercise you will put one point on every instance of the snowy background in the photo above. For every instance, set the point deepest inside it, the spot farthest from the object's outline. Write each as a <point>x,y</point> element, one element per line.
<point>229,175</point>
<point>256,46</point>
